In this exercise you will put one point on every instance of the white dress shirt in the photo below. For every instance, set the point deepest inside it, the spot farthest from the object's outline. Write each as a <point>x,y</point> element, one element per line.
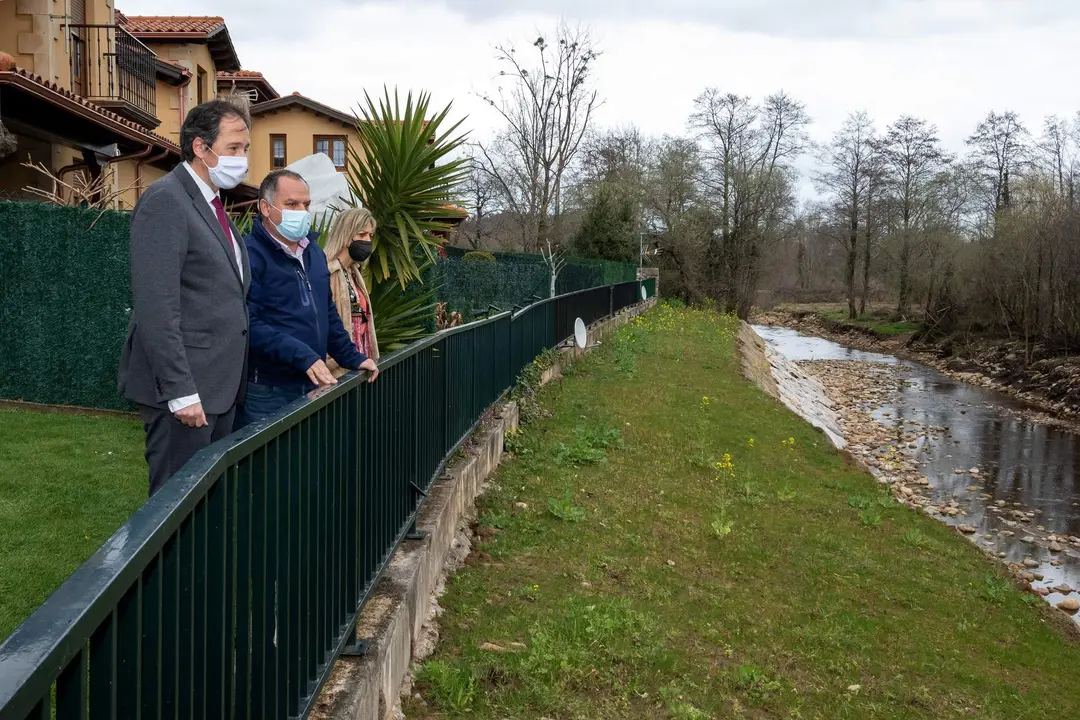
<point>297,252</point>
<point>209,194</point>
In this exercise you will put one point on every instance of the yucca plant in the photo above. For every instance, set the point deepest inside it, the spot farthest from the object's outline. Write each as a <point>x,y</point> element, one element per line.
<point>403,314</point>
<point>245,220</point>
<point>403,173</point>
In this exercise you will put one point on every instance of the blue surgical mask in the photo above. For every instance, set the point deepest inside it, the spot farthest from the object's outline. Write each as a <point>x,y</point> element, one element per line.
<point>295,224</point>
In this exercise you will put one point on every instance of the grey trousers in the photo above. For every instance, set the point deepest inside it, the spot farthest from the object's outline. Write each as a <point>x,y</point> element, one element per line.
<point>170,443</point>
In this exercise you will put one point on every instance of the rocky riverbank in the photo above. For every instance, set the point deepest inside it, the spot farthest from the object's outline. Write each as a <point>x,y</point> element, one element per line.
<point>1049,385</point>
<point>890,448</point>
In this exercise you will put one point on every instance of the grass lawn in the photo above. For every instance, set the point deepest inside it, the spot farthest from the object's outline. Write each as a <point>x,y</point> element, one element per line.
<point>67,482</point>
<point>625,575</point>
<point>883,325</point>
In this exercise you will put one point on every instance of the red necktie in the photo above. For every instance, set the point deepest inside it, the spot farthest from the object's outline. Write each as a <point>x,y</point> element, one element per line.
<point>224,220</point>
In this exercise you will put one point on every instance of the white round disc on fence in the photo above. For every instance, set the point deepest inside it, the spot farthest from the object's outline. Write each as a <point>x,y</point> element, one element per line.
<point>644,293</point>
<point>581,337</point>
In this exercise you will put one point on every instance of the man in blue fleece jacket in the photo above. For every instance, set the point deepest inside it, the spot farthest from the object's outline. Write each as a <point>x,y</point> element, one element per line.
<point>294,322</point>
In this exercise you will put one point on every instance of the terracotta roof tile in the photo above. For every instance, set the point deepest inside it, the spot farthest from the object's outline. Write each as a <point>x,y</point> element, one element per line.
<point>151,24</point>
<point>249,77</point>
<point>161,141</point>
<point>185,28</point>
<point>241,75</point>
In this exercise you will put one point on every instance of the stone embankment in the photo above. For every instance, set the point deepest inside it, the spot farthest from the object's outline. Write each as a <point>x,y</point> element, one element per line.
<point>784,380</point>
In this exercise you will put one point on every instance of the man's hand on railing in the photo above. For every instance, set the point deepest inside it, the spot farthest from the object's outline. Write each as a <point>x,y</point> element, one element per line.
<point>320,374</point>
<point>372,368</point>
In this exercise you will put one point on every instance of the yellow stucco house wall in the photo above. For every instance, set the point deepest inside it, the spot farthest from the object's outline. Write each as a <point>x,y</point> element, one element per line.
<point>295,126</point>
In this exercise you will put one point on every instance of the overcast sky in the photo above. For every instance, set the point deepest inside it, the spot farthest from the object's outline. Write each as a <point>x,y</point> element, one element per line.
<point>950,61</point>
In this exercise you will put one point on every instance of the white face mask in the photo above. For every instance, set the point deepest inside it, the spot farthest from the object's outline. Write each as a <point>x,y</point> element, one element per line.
<point>229,171</point>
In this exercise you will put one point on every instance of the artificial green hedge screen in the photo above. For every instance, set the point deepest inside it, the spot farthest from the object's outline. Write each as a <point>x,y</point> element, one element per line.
<point>65,294</point>
<point>470,285</point>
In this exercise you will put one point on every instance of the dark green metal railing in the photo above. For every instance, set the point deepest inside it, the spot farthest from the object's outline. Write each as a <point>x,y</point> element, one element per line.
<point>231,592</point>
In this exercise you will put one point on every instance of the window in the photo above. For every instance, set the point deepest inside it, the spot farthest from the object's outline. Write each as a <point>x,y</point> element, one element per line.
<point>76,58</point>
<point>277,151</point>
<point>333,146</point>
<point>200,86</point>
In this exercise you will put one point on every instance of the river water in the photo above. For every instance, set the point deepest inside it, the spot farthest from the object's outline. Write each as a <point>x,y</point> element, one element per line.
<point>1024,465</point>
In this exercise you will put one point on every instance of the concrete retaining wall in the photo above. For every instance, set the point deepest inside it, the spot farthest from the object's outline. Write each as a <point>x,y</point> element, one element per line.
<point>397,621</point>
<point>784,380</point>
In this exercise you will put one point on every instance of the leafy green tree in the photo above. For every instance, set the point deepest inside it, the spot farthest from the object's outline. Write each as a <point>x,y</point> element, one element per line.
<point>609,227</point>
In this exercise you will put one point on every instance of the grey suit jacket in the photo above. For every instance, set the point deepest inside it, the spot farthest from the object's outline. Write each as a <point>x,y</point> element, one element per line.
<point>189,321</point>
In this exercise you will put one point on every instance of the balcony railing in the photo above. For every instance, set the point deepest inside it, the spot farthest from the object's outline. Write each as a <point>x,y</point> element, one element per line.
<point>113,69</point>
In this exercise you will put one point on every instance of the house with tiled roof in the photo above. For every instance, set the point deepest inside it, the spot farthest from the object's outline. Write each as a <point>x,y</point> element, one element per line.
<point>97,88</point>
<point>200,46</point>
<point>86,89</point>
<point>290,127</point>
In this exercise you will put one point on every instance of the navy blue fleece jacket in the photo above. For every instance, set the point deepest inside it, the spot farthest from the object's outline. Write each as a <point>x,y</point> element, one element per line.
<point>294,321</point>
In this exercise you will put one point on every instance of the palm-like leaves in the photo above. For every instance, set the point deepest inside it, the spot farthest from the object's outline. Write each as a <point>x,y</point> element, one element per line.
<point>402,174</point>
<point>402,314</point>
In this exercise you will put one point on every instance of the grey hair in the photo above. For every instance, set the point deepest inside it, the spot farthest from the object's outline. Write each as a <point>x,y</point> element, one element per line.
<point>269,187</point>
<point>204,121</point>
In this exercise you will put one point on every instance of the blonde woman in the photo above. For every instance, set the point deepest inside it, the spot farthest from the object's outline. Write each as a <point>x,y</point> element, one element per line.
<point>348,247</point>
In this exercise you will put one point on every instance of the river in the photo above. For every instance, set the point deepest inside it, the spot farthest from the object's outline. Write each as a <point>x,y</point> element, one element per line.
<point>1028,495</point>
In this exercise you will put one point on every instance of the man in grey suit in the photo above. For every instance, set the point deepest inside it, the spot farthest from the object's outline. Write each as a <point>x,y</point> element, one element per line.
<point>184,361</point>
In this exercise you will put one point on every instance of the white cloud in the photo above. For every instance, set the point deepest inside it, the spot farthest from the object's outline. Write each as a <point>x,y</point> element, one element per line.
<point>951,61</point>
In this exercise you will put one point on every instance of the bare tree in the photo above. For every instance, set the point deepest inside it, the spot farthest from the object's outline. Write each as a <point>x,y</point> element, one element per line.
<point>84,190</point>
<point>845,175</point>
<point>617,155</point>
<point>913,158</point>
<point>875,184</point>
<point>750,154</point>
<point>480,194</point>
<point>555,260</point>
<point>1056,153</point>
<point>672,182</point>
<point>547,108</point>
<point>724,121</point>
<point>999,148</point>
